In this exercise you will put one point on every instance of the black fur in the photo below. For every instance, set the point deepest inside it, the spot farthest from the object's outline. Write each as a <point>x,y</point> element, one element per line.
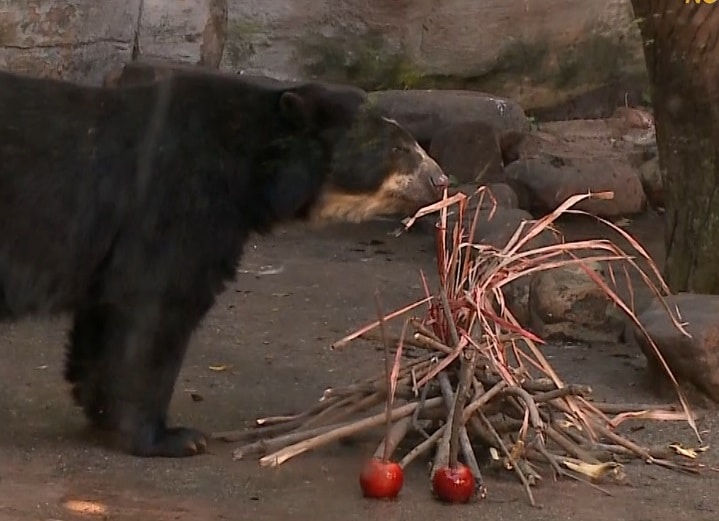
<point>128,208</point>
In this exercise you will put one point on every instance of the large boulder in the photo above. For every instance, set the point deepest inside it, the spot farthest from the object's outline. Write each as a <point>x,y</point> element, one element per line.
<point>652,181</point>
<point>187,31</point>
<point>473,151</point>
<point>82,40</point>
<point>566,304</point>
<point>692,359</point>
<point>550,180</point>
<point>555,48</point>
<point>73,39</point>
<point>426,112</point>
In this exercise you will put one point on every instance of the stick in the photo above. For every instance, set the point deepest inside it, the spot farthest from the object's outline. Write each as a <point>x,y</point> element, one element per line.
<point>422,343</point>
<point>274,420</point>
<point>415,416</point>
<point>570,390</point>
<point>264,429</point>
<point>365,403</point>
<point>658,451</point>
<point>253,434</point>
<point>393,438</point>
<point>460,398</point>
<point>532,386</point>
<point>531,407</point>
<point>450,321</point>
<point>422,447</point>
<point>340,432</point>
<point>388,371</point>
<point>553,462</point>
<point>483,400</point>
<point>618,408</point>
<point>441,457</point>
<point>267,445</point>
<point>422,329</point>
<point>428,343</point>
<point>316,420</point>
<point>569,446</point>
<point>498,439</point>
<point>461,438</point>
<point>482,433</point>
<point>641,451</point>
<point>471,460</point>
<point>542,448</point>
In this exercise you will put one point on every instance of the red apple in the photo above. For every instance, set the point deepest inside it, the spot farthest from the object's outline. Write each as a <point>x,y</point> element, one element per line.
<point>381,479</point>
<point>453,485</point>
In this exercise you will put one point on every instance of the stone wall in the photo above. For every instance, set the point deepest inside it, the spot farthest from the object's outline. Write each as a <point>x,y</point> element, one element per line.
<point>533,51</point>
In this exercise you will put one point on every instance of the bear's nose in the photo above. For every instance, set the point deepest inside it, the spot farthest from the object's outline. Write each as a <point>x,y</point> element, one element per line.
<point>440,180</point>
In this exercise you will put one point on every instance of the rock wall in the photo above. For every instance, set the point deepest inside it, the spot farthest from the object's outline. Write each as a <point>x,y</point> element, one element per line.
<point>533,51</point>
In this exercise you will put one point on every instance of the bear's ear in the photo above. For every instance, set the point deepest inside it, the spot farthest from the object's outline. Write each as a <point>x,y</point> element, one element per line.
<point>296,109</point>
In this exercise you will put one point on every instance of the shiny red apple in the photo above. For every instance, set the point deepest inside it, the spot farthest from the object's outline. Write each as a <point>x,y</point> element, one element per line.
<point>381,479</point>
<point>453,485</point>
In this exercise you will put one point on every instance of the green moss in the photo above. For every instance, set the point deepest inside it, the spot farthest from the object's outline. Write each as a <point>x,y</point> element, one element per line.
<point>534,72</point>
<point>365,60</point>
<point>242,38</point>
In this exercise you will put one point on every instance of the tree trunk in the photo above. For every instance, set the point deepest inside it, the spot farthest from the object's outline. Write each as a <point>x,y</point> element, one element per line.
<point>681,47</point>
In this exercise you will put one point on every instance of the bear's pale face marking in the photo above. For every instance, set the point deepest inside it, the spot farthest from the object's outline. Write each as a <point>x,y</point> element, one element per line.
<point>389,199</point>
<point>408,179</point>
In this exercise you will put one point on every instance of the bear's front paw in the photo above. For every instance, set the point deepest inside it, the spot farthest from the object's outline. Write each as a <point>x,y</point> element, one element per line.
<point>177,442</point>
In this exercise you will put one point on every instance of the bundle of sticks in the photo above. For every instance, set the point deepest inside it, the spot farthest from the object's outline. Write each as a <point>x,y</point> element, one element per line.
<point>467,379</point>
<point>522,426</point>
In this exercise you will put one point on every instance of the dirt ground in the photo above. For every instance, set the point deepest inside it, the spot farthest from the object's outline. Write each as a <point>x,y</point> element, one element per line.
<point>299,290</point>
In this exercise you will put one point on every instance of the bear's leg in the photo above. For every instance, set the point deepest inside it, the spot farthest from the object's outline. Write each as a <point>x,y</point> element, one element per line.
<point>82,365</point>
<point>144,346</point>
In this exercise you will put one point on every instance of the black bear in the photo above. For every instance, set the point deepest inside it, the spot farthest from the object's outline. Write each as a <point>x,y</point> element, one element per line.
<point>128,208</point>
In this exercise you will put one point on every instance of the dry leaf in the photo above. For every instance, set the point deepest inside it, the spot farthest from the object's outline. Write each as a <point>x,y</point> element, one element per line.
<point>688,452</point>
<point>219,368</point>
<point>593,471</point>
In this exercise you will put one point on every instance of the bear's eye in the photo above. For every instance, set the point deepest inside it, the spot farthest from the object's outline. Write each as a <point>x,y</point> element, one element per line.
<point>400,149</point>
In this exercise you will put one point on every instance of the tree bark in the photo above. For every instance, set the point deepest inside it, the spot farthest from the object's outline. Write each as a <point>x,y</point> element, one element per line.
<point>681,47</point>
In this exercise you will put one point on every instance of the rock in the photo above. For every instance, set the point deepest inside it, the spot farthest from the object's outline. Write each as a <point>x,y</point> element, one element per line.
<point>425,112</point>
<point>185,31</point>
<point>144,70</point>
<point>605,129</point>
<point>693,360</point>
<point>497,228</point>
<point>651,177</point>
<point>551,179</point>
<point>516,297</point>
<point>566,304</point>
<point>473,151</point>
<point>416,43</point>
<point>82,40</point>
<point>78,40</point>
<point>635,117</point>
<point>498,194</point>
<point>498,220</point>
<point>502,195</point>
<point>375,45</point>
